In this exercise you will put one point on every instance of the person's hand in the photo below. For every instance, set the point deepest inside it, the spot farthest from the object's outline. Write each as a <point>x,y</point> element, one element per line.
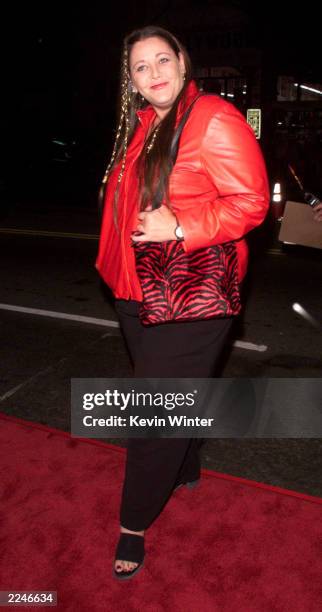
<point>155,225</point>
<point>317,212</point>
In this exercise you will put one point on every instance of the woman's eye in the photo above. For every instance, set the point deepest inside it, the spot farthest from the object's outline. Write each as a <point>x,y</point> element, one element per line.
<point>142,67</point>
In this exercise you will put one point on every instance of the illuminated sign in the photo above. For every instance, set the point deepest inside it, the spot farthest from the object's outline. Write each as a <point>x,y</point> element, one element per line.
<point>254,120</point>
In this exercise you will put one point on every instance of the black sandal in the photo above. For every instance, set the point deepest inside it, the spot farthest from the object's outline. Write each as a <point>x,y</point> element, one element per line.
<point>130,548</point>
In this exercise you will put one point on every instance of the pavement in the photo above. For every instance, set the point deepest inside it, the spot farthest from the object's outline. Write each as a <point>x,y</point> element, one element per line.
<point>41,354</point>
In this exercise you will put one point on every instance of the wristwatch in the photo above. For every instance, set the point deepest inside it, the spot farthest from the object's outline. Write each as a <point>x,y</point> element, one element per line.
<point>178,232</point>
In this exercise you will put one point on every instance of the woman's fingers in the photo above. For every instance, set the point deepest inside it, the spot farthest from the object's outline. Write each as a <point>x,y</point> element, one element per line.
<point>317,212</point>
<point>156,225</point>
<point>136,237</point>
<point>142,215</point>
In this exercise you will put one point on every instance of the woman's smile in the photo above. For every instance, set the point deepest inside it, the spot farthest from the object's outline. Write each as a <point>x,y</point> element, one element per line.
<point>158,86</point>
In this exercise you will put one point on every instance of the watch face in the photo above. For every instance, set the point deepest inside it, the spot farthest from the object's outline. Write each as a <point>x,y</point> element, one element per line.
<point>178,232</point>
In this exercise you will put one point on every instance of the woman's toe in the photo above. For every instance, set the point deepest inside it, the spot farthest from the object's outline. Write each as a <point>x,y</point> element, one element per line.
<point>130,566</point>
<point>119,566</point>
<point>124,566</point>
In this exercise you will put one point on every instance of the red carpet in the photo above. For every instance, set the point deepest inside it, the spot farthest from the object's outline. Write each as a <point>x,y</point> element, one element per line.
<point>230,545</point>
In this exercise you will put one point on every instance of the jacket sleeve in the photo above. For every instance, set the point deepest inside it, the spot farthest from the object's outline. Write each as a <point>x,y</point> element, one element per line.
<point>232,159</point>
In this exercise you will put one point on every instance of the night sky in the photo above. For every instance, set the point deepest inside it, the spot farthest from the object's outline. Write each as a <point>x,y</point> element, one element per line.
<point>57,45</point>
<point>61,60</point>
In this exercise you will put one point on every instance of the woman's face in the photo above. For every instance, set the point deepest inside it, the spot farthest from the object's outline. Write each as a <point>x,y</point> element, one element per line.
<point>156,73</point>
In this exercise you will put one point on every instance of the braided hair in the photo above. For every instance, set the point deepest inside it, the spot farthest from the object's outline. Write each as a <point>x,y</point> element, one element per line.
<point>157,161</point>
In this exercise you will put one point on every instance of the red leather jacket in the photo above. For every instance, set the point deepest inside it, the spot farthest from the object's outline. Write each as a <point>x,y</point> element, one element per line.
<point>218,189</point>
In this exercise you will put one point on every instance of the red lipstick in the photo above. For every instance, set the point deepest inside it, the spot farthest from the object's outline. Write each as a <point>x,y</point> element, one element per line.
<point>158,86</point>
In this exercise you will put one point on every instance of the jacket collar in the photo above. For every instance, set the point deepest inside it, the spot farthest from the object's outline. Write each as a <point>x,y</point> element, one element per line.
<point>147,114</point>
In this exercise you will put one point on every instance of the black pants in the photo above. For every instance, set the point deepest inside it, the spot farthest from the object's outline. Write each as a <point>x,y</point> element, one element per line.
<point>155,466</point>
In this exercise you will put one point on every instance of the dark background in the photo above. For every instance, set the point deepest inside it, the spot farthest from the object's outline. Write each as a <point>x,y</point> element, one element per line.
<point>59,80</point>
<point>60,71</point>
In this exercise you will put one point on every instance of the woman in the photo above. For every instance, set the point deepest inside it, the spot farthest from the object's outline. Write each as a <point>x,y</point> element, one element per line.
<point>216,192</point>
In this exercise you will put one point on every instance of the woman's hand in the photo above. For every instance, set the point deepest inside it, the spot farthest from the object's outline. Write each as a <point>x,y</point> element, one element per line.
<point>317,212</point>
<point>156,225</point>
